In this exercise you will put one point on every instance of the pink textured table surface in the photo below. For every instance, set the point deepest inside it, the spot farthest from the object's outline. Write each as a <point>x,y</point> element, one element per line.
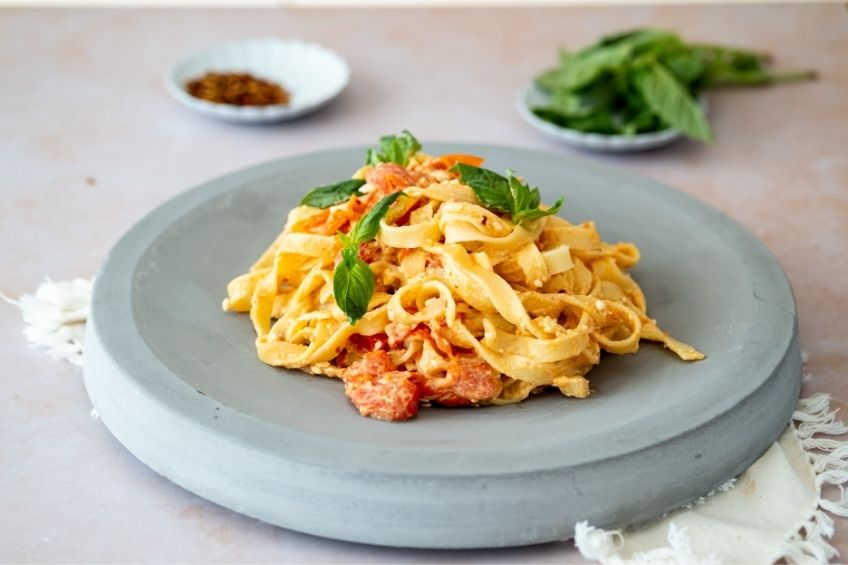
<point>90,142</point>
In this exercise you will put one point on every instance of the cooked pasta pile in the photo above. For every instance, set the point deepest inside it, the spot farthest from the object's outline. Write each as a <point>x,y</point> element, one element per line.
<point>467,308</point>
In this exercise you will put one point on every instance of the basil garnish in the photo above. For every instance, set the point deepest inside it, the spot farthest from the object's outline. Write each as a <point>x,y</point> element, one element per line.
<point>353,281</point>
<point>394,149</point>
<point>505,194</point>
<point>353,285</point>
<point>331,194</point>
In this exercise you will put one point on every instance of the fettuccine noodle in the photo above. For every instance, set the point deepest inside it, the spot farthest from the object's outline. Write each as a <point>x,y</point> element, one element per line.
<point>469,308</point>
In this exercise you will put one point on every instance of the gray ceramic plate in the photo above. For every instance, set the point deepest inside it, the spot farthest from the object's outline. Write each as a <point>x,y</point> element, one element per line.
<point>177,381</point>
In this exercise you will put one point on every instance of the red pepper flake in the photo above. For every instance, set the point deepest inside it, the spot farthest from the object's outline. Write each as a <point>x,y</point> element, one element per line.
<point>239,89</point>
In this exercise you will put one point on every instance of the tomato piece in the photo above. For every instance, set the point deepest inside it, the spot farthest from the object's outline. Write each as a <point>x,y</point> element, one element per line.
<point>440,390</point>
<point>476,379</point>
<point>390,397</point>
<point>469,380</point>
<point>374,363</point>
<point>451,159</point>
<point>370,343</point>
<point>369,251</point>
<point>378,391</point>
<point>387,178</point>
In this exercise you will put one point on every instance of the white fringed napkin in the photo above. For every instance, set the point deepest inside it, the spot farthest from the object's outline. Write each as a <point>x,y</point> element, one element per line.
<point>774,510</point>
<point>54,317</point>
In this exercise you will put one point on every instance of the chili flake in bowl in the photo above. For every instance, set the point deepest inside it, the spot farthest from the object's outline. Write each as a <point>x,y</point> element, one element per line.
<point>243,81</point>
<point>240,89</point>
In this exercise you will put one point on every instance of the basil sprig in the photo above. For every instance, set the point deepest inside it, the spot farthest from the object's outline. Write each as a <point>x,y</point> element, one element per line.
<point>394,149</point>
<point>647,80</point>
<point>353,281</point>
<point>332,194</point>
<point>353,285</point>
<point>505,194</point>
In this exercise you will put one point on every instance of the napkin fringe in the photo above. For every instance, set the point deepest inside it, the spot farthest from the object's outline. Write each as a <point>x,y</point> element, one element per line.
<point>603,545</point>
<point>54,317</point>
<point>829,460</point>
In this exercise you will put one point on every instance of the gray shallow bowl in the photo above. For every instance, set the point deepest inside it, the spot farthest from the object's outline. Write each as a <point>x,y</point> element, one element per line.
<point>177,381</point>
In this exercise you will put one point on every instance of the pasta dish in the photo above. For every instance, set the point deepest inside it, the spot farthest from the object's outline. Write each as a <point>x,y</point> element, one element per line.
<point>431,280</point>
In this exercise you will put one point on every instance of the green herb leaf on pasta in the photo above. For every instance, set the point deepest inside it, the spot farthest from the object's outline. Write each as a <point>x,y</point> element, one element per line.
<point>491,188</point>
<point>353,281</point>
<point>527,201</point>
<point>522,197</point>
<point>331,194</point>
<point>366,228</point>
<point>353,285</point>
<point>394,149</point>
<point>536,213</point>
<point>505,194</point>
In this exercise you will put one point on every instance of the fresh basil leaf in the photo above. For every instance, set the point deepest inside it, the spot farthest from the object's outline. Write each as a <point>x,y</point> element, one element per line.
<point>504,194</point>
<point>734,77</point>
<point>612,39</point>
<point>367,227</point>
<point>522,197</point>
<point>527,201</point>
<point>611,54</point>
<point>391,150</point>
<point>601,88</point>
<point>331,194</point>
<point>687,65</point>
<point>536,213</point>
<point>353,281</point>
<point>583,70</point>
<point>547,81</point>
<point>741,59</point>
<point>551,115</point>
<point>535,198</point>
<point>633,38</point>
<point>655,47</point>
<point>570,103</point>
<point>728,66</point>
<point>394,149</point>
<point>672,102</point>
<point>353,286</point>
<point>600,121</point>
<point>638,118</point>
<point>350,251</point>
<point>604,93</point>
<point>490,188</point>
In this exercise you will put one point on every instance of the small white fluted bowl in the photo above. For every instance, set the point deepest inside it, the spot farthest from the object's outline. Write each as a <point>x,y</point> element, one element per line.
<point>313,75</point>
<point>531,96</point>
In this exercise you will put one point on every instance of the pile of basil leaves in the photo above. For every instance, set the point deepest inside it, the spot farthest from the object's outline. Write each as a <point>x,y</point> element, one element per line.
<point>646,80</point>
